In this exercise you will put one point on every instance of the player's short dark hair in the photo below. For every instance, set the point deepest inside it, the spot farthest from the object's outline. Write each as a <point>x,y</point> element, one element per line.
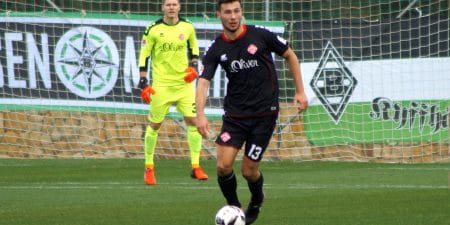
<point>220,2</point>
<point>164,1</point>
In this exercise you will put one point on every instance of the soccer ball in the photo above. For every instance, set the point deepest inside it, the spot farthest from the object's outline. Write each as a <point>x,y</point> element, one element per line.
<point>230,215</point>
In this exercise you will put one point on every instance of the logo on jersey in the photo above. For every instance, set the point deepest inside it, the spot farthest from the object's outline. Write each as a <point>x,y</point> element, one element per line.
<point>282,40</point>
<point>181,37</point>
<point>223,58</point>
<point>225,136</point>
<point>252,49</point>
<point>237,65</point>
<point>333,82</point>
<point>170,47</point>
<point>206,50</point>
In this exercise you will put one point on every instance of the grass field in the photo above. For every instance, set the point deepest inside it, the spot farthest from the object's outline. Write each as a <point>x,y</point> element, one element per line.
<point>112,192</point>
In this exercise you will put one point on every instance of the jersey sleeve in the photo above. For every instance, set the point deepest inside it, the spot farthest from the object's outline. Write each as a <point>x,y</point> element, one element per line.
<point>146,49</point>
<point>275,43</point>
<point>210,64</point>
<point>194,50</point>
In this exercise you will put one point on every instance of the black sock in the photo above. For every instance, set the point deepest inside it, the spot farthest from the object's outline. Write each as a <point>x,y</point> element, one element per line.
<point>228,186</point>
<point>256,189</point>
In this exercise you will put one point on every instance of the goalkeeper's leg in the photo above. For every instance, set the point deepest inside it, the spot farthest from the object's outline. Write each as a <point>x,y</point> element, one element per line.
<point>195,145</point>
<point>151,136</point>
<point>186,106</point>
<point>159,107</point>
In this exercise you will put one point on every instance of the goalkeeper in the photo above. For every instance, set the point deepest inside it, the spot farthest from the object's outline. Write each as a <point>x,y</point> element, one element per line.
<point>172,45</point>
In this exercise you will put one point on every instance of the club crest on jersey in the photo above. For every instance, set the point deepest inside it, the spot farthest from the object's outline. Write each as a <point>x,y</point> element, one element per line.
<point>143,43</point>
<point>181,37</point>
<point>252,49</point>
<point>225,136</point>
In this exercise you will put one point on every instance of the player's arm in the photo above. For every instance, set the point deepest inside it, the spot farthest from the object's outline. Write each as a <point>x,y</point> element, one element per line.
<point>295,71</point>
<point>144,54</point>
<point>194,50</point>
<point>280,46</point>
<point>200,101</point>
<point>210,63</point>
<point>193,53</point>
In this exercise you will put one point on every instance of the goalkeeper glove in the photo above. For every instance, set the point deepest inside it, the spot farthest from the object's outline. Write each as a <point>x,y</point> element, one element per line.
<point>146,90</point>
<point>191,72</point>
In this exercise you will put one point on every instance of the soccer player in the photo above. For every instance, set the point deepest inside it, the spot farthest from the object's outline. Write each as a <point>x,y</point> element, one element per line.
<point>172,45</point>
<point>251,104</point>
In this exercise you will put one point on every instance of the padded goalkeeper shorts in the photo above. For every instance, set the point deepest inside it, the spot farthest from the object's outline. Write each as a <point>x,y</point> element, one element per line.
<point>182,96</point>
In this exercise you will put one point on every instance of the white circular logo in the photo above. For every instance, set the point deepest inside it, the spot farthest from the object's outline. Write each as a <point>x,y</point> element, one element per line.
<point>87,62</point>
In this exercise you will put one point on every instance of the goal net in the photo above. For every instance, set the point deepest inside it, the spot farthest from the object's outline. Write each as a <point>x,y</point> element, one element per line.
<point>376,74</point>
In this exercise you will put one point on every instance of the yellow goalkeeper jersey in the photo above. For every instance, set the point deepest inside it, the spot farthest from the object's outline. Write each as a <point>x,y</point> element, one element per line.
<point>169,47</point>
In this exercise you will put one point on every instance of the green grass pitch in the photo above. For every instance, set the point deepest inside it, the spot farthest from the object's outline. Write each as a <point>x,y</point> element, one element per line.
<point>112,192</point>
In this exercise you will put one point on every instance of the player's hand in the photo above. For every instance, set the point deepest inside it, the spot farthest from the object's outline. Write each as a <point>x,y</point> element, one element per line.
<point>203,126</point>
<point>191,74</point>
<point>301,100</point>
<point>146,90</point>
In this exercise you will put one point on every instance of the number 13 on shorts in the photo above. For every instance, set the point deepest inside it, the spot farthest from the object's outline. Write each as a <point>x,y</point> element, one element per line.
<point>255,152</point>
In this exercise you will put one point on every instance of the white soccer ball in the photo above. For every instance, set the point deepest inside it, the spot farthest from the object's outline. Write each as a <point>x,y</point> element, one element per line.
<point>230,215</point>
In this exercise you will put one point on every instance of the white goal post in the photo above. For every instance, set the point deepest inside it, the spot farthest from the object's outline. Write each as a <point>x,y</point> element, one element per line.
<point>376,74</point>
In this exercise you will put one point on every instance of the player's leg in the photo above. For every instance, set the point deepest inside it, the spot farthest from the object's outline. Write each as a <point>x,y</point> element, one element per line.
<point>255,146</point>
<point>195,146</point>
<point>158,110</point>
<point>151,136</point>
<point>225,174</point>
<point>230,140</point>
<point>150,139</point>
<point>255,182</point>
<point>186,106</point>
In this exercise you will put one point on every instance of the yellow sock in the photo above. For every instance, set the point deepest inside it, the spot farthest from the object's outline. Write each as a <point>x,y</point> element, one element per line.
<point>151,137</point>
<point>195,144</point>
<point>195,166</point>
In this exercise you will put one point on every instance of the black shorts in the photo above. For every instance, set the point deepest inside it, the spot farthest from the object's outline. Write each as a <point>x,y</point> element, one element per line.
<point>255,132</point>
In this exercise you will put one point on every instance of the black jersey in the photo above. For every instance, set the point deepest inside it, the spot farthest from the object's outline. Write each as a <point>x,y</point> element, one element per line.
<point>253,83</point>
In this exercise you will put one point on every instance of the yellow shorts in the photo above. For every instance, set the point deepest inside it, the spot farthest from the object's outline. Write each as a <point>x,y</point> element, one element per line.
<point>182,96</point>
